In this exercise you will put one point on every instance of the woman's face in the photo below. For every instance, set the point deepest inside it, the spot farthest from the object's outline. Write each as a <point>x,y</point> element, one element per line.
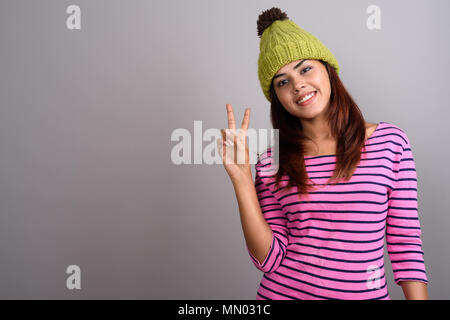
<point>298,79</point>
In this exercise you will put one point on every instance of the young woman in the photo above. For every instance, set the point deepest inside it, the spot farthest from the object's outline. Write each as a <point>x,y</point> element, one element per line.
<point>316,226</point>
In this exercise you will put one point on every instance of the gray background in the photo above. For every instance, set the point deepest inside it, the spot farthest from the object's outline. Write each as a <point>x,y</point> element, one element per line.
<point>86,117</point>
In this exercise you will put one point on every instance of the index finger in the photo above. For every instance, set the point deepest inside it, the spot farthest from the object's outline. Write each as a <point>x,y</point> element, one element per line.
<point>231,122</point>
<point>246,120</point>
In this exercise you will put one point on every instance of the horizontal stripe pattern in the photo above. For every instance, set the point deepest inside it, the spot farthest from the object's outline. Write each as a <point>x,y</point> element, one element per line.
<point>329,244</point>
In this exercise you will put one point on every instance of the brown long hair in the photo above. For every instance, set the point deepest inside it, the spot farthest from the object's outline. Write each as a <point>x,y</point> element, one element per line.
<point>347,125</point>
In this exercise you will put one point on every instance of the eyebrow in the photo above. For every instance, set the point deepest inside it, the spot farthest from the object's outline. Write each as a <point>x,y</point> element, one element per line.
<point>298,65</point>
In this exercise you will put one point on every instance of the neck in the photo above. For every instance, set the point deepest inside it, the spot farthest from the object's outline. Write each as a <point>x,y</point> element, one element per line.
<point>316,130</point>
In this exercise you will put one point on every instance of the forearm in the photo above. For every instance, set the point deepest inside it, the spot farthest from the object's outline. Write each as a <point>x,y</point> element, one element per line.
<point>257,232</point>
<point>414,290</point>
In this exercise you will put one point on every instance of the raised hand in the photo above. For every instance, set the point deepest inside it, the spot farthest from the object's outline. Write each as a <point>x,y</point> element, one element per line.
<point>233,146</point>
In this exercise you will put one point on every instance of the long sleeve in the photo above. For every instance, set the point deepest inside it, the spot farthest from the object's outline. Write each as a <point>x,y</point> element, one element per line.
<point>277,221</point>
<point>403,232</point>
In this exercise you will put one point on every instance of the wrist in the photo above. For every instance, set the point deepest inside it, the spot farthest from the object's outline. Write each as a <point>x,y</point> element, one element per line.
<point>243,178</point>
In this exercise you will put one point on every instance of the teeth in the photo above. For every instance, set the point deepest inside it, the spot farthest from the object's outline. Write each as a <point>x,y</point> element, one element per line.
<point>306,98</point>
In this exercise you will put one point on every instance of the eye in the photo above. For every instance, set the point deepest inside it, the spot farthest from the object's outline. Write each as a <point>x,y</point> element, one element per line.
<point>281,82</point>
<point>306,68</point>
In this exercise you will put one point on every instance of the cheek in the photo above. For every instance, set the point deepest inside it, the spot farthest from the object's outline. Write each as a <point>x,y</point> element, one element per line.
<point>287,101</point>
<point>327,89</point>
<point>283,97</point>
<point>324,82</point>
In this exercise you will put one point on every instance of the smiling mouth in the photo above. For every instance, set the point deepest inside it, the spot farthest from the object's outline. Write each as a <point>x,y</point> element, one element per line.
<point>307,97</point>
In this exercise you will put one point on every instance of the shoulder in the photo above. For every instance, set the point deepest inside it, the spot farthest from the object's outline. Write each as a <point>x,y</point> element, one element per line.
<point>394,133</point>
<point>396,141</point>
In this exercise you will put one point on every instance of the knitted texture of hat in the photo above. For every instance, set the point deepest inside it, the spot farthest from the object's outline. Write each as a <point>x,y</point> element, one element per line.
<point>283,42</point>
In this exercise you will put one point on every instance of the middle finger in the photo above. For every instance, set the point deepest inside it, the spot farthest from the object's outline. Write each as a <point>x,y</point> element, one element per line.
<point>231,121</point>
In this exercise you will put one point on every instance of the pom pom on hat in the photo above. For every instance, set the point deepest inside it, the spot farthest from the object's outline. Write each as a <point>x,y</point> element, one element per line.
<point>266,18</point>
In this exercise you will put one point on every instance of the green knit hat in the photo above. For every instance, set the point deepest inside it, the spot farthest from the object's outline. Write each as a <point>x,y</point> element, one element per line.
<point>282,42</point>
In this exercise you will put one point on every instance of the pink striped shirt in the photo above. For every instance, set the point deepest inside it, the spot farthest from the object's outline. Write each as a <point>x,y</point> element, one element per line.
<point>330,245</point>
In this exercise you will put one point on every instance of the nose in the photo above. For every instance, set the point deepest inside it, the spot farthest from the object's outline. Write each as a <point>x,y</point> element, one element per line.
<point>298,84</point>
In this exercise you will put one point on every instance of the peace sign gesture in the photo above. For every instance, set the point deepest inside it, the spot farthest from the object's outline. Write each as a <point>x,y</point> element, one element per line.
<point>233,147</point>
